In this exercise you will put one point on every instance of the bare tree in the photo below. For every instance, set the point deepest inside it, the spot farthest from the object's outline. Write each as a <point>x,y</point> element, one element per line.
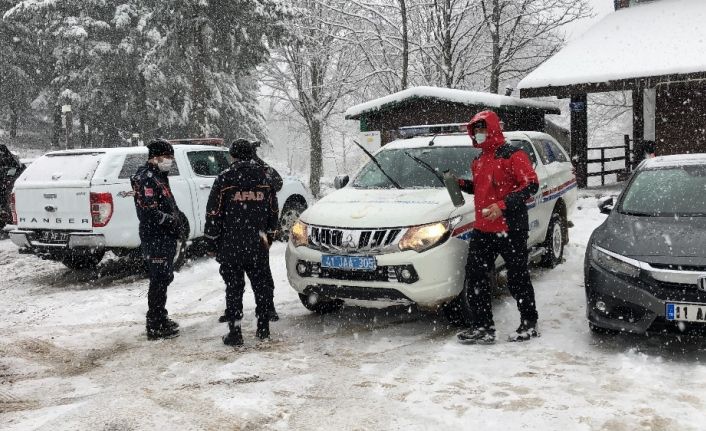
<point>524,33</point>
<point>314,72</point>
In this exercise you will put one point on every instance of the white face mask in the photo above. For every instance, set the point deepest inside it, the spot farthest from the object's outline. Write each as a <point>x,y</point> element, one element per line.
<point>480,137</point>
<point>165,165</point>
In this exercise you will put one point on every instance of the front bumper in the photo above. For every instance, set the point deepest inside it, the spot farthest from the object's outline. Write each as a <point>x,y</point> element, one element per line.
<point>635,305</point>
<point>30,240</point>
<point>437,275</point>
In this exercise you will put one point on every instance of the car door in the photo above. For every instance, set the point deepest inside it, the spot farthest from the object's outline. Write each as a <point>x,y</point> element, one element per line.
<point>205,166</point>
<point>555,165</point>
<point>534,209</point>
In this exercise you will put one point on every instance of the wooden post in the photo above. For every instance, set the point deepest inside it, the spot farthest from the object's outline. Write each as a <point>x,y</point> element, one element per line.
<point>638,123</point>
<point>579,137</point>
<point>602,166</point>
<point>68,122</point>
<point>628,162</point>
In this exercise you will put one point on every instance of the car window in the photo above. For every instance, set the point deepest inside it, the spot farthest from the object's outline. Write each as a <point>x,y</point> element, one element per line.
<point>526,147</point>
<point>667,192</point>
<point>556,151</point>
<point>209,163</point>
<point>134,161</point>
<point>410,173</point>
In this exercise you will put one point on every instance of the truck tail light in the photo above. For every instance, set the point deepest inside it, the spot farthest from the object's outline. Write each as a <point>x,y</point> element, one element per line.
<point>13,209</point>
<point>101,208</point>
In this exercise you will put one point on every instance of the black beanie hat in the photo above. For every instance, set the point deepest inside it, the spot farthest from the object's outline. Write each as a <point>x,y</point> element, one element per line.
<point>160,147</point>
<point>242,149</point>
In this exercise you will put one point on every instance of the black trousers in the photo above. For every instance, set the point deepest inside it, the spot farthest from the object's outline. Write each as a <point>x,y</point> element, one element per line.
<point>159,258</point>
<point>251,258</point>
<point>483,249</point>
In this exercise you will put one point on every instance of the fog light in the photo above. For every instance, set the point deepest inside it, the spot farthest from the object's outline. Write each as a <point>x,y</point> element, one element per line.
<point>302,268</point>
<point>406,274</point>
<point>600,306</point>
<point>313,298</point>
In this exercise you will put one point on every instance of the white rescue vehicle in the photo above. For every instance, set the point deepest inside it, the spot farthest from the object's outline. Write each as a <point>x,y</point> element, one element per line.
<point>372,240</point>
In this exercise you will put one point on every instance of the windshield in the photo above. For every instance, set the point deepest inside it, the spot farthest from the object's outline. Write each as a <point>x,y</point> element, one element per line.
<point>674,191</point>
<point>411,174</point>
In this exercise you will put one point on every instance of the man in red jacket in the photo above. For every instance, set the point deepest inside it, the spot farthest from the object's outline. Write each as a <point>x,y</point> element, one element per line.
<point>503,180</point>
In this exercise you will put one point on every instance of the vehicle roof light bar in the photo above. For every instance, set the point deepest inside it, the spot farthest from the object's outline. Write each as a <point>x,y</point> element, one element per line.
<point>432,129</point>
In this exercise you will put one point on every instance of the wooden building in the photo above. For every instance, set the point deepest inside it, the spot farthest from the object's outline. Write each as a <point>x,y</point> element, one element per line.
<point>432,105</point>
<point>655,49</point>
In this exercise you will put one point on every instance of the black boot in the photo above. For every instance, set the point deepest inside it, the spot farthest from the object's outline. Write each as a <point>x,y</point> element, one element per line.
<point>272,314</point>
<point>477,335</point>
<point>526,331</point>
<point>169,323</point>
<point>234,336</point>
<point>223,318</point>
<point>263,329</point>
<point>159,330</point>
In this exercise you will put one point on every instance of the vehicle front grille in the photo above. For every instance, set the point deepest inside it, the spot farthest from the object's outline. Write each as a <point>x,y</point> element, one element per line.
<point>694,268</point>
<point>353,240</point>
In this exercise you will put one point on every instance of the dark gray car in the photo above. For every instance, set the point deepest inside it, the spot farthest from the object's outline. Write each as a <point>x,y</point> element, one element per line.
<point>645,266</point>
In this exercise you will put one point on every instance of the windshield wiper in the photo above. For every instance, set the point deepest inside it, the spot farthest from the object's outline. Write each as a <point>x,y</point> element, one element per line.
<point>394,183</point>
<point>428,167</point>
<point>637,214</point>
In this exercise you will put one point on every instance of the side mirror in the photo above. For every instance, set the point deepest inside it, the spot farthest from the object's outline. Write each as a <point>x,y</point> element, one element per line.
<point>454,189</point>
<point>606,205</point>
<point>340,181</point>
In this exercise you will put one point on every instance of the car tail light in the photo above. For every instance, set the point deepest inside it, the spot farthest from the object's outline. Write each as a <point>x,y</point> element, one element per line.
<point>13,209</point>
<point>101,208</point>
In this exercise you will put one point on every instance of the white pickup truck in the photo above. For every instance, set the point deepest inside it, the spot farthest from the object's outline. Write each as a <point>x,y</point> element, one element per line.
<point>73,206</point>
<point>374,239</point>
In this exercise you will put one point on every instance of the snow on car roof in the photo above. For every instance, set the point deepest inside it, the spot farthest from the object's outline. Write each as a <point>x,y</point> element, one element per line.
<point>452,140</point>
<point>656,38</point>
<point>676,160</point>
<point>451,95</point>
<point>126,150</point>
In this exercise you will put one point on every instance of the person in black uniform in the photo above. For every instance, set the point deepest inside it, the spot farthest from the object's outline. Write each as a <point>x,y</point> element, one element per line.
<point>276,182</point>
<point>160,226</point>
<point>241,221</point>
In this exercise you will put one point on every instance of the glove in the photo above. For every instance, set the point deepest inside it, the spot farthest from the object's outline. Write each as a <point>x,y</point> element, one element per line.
<point>172,224</point>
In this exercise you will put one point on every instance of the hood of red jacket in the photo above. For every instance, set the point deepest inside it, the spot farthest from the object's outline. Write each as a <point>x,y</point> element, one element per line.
<point>495,136</point>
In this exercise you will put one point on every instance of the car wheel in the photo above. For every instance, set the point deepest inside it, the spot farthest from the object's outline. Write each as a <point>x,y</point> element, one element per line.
<point>320,305</point>
<point>554,243</point>
<point>290,214</point>
<point>78,261</point>
<point>601,331</point>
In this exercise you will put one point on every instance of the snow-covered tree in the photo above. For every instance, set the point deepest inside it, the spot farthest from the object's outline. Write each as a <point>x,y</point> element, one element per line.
<point>315,71</point>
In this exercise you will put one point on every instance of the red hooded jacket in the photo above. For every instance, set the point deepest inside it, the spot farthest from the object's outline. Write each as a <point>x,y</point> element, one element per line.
<point>502,174</point>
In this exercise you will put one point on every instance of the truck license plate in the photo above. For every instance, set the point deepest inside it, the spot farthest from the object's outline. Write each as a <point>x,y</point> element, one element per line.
<point>681,312</point>
<point>50,236</point>
<point>357,263</point>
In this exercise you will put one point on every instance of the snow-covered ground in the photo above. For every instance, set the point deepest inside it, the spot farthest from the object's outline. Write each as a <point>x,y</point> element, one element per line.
<point>73,355</point>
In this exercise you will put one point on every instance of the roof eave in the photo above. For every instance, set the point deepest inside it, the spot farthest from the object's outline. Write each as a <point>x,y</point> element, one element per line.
<point>385,106</point>
<point>563,91</point>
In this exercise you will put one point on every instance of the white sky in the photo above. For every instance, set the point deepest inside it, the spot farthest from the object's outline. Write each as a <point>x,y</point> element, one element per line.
<point>600,8</point>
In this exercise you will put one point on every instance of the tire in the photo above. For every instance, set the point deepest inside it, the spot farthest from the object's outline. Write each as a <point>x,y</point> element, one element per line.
<point>459,312</point>
<point>554,243</point>
<point>290,214</point>
<point>81,261</point>
<point>322,305</point>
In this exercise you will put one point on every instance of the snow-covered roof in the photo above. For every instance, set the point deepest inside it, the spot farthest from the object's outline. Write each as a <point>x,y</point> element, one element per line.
<point>450,95</point>
<point>656,38</point>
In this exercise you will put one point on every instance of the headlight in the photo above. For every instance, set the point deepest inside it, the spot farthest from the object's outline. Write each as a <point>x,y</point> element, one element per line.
<point>420,238</point>
<point>615,263</point>
<point>299,234</point>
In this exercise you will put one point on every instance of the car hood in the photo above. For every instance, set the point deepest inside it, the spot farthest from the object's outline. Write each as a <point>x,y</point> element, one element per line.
<point>664,239</point>
<point>373,208</point>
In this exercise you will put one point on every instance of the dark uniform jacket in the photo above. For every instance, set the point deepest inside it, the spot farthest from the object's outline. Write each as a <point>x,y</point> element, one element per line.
<point>272,175</point>
<point>156,208</point>
<point>242,206</point>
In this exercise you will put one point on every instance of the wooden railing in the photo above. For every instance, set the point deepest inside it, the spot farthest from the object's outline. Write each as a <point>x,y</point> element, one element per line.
<point>628,156</point>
